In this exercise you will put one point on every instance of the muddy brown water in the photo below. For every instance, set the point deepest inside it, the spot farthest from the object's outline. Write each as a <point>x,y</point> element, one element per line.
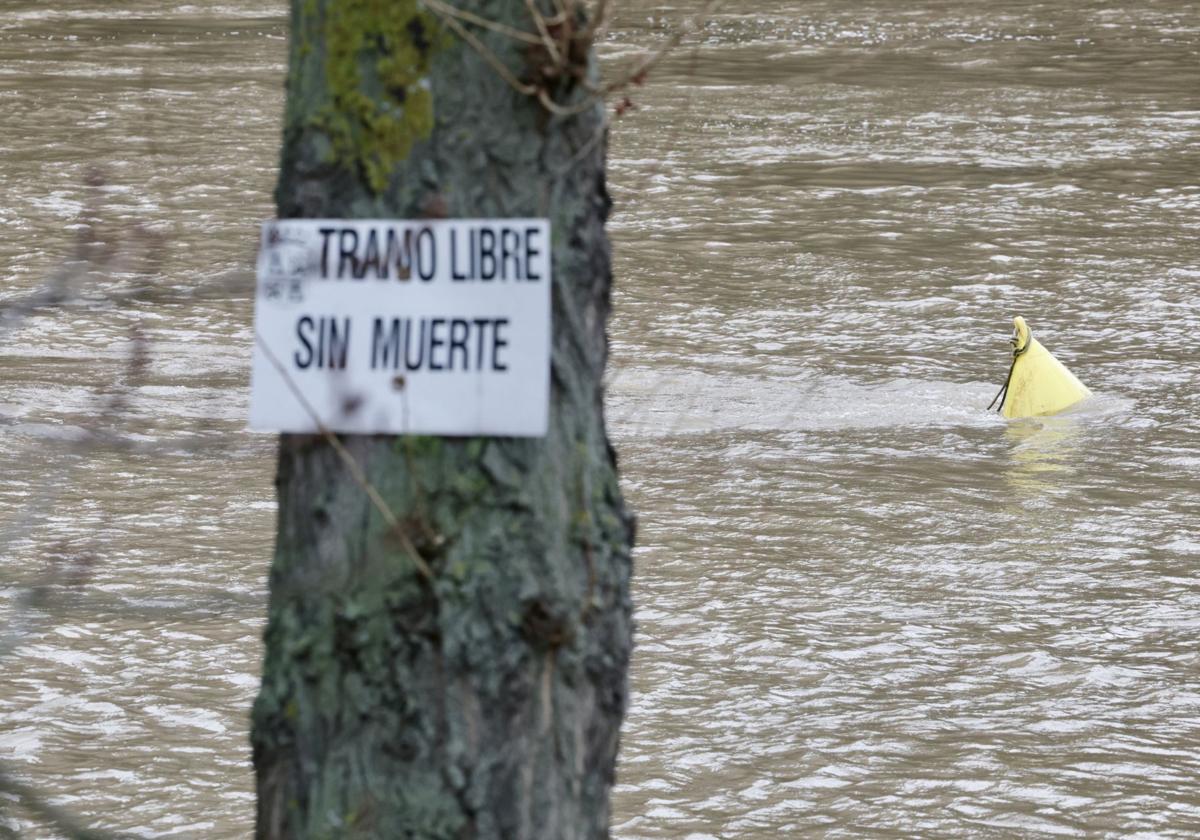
<point>865,606</point>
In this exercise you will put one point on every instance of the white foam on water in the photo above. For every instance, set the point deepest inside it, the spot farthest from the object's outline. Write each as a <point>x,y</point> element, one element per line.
<point>659,402</point>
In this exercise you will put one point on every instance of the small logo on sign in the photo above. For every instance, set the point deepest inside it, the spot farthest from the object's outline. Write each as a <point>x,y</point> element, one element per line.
<point>283,267</point>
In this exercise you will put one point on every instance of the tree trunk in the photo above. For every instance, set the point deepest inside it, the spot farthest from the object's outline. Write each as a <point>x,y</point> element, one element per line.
<point>483,701</point>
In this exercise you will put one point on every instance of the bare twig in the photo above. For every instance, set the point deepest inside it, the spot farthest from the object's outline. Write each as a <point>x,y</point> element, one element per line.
<point>470,17</point>
<point>58,818</point>
<point>637,75</point>
<point>100,252</point>
<point>352,465</point>
<point>481,48</point>
<point>597,23</point>
<point>52,297</point>
<point>540,22</point>
<point>560,53</point>
<point>585,149</point>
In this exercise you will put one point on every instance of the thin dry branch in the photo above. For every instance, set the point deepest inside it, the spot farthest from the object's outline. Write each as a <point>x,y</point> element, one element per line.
<point>61,820</point>
<point>53,297</point>
<point>470,17</point>
<point>483,50</point>
<point>585,149</point>
<point>544,30</point>
<point>355,469</point>
<point>638,74</point>
<point>597,22</point>
<point>560,53</point>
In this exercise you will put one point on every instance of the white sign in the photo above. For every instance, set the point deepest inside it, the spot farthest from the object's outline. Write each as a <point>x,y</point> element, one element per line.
<point>387,326</point>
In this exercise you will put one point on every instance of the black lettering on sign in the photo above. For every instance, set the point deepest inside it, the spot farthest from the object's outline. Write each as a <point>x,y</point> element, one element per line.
<point>339,342</point>
<point>397,253</point>
<point>385,350</point>
<point>435,342</point>
<point>460,330</point>
<point>325,234</point>
<point>320,360</point>
<point>408,345</point>
<point>370,259</point>
<point>531,252</point>
<point>487,254</point>
<point>347,244</point>
<point>481,324</point>
<point>510,241</point>
<point>456,274</point>
<point>477,253</point>
<point>426,254</point>
<point>305,323</point>
<point>497,342</point>
<point>332,339</point>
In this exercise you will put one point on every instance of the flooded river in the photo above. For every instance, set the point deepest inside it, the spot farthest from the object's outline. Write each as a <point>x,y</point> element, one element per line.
<point>866,607</point>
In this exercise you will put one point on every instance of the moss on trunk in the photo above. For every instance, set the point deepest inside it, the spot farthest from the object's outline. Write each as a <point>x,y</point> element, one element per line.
<point>486,702</point>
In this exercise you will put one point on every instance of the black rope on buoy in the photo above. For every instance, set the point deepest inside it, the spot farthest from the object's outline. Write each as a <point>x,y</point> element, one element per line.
<point>1002,394</point>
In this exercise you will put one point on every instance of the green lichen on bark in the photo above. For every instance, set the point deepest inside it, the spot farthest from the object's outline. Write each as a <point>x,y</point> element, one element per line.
<point>377,61</point>
<point>482,702</point>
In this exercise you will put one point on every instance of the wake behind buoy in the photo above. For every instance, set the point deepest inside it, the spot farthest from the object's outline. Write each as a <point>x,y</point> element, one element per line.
<point>1038,384</point>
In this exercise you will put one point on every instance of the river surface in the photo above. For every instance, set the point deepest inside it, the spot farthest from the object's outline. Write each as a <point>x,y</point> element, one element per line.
<point>866,606</point>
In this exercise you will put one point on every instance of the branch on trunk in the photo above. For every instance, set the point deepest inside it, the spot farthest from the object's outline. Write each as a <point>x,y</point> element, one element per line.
<point>355,469</point>
<point>560,54</point>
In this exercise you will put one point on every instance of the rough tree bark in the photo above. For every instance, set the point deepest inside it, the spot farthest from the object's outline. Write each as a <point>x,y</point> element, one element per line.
<point>484,702</point>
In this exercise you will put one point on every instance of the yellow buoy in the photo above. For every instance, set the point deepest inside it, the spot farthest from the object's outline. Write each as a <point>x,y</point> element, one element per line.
<point>1038,384</point>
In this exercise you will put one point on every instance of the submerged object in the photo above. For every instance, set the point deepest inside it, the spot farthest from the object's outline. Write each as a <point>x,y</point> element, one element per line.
<point>1037,384</point>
